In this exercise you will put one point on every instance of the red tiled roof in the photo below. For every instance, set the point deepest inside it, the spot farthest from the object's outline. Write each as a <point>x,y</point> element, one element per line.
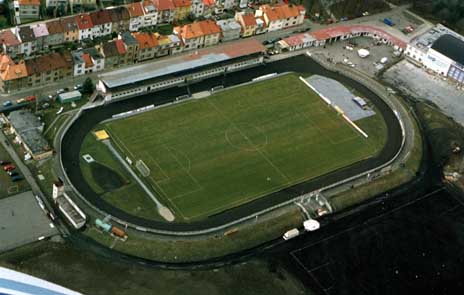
<point>48,62</point>
<point>87,60</point>
<point>100,17</point>
<point>29,2</point>
<point>84,21</point>
<point>182,3</point>
<point>120,46</point>
<point>209,2</point>
<point>198,29</point>
<point>135,9</point>
<point>54,27</point>
<point>146,40</point>
<point>337,31</point>
<point>8,38</point>
<point>9,70</point>
<point>249,20</point>
<point>163,4</point>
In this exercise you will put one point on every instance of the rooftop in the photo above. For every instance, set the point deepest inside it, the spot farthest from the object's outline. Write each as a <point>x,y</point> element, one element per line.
<point>69,24</point>
<point>9,70</point>
<point>164,4</point>
<point>50,62</point>
<point>249,20</point>
<point>451,47</point>
<point>8,38</point>
<point>24,120</point>
<point>26,34</point>
<point>337,31</point>
<point>118,13</point>
<point>179,63</point>
<point>182,3</point>
<point>146,40</point>
<point>40,30</point>
<point>128,38</point>
<point>100,17</point>
<point>135,9</point>
<point>84,21</point>
<point>229,24</point>
<point>29,2</point>
<point>424,42</point>
<point>114,48</point>
<point>54,27</point>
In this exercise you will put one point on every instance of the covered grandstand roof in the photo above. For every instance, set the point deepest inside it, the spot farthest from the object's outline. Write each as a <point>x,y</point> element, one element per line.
<point>202,57</point>
<point>451,47</point>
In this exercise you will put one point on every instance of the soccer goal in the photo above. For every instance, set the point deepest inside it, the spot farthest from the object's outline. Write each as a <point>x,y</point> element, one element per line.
<point>143,168</point>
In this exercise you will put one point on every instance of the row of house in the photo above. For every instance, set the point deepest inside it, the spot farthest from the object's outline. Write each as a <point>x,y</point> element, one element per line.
<point>28,40</point>
<point>128,48</point>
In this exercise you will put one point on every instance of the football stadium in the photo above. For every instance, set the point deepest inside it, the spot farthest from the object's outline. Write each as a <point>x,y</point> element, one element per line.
<point>204,156</point>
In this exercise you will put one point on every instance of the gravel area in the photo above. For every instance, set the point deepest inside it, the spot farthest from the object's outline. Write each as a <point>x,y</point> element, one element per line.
<point>418,83</point>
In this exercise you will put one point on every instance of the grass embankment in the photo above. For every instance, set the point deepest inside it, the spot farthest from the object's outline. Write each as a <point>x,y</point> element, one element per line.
<point>183,249</point>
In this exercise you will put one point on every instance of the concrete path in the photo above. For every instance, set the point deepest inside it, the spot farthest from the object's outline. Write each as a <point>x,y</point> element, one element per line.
<point>162,210</point>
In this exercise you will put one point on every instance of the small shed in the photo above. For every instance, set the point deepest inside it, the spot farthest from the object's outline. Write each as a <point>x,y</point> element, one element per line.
<point>70,96</point>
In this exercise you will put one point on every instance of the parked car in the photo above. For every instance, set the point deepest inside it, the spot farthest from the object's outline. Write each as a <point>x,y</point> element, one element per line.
<point>66,89</point>
<point>31,98</point>
<point>77,87</point>
<point>21,100</point>
<point>7,103</point>
<point>17,178</point>
<point>12,173</point>
<point>9,167</point>
<point>59,91</point>
<point>3,163</point>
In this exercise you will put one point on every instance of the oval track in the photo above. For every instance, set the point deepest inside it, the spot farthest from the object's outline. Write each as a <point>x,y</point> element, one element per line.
<point>301,64</point>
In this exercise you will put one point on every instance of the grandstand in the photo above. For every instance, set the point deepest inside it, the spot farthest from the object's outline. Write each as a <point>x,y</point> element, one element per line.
<point>179,70</point>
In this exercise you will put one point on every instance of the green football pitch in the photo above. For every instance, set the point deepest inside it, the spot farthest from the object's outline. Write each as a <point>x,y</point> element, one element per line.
<point>215,153</point>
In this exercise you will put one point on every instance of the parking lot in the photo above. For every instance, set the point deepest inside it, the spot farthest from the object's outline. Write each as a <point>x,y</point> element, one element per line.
<point>22,221</point>
<point>7,186</point>
<point>371,64</point>
<point>417,83</point>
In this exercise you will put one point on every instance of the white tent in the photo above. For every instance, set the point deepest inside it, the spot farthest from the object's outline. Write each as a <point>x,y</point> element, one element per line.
<point>363,53</point>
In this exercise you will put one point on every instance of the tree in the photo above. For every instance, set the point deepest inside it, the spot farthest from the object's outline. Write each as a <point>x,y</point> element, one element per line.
<point>88,86</point>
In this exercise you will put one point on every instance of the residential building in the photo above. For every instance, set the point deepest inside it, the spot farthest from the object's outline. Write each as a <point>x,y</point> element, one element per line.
<point>70,29</point>
<point>198,8</point>
<point>115,53</point>
<point>261,27</point>
<point>101,23</point>
<point>28,41</point>
<point>13,75</point>
<point>28,129</point>
<point>120,19</point>
<point>199,34</point>
<point>11,44</point>
<point>87,61</point>
<point>85,26</point>
<point>168,45</point>
<point>26,10</point>
<point>150,17</point>
<point>182,9</point>
<point>148,45</point>
<point>41,34</point>
<point>229,4</point>
<point>230,29</point>
<point>55,33</point>
<point>280,16</point>
<point>136,16</point>
<point>208,8</point>
<point>49,68</point>
<point>166,11</point>
<point>132,46</point>
<point>248,23</point>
